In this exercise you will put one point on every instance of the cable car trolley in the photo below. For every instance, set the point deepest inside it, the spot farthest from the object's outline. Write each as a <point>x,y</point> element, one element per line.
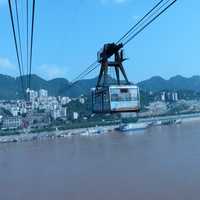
<point>113,95</point>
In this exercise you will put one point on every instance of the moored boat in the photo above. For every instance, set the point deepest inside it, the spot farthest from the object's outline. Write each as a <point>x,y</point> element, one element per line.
<point>133,127</point>
<point>178,121</point>
<point>157,123</point>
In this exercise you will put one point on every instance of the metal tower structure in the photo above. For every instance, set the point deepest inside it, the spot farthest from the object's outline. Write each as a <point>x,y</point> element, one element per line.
<point>104,58</point>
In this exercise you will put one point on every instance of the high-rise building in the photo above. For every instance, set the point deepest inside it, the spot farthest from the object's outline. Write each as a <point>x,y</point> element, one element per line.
<point>43,93</point>
<point>163,96</point>
<point>33,95</point>
<point>65,100</point>
<point>75,115</point>
<point>174,96</point>
<point>82,100</point>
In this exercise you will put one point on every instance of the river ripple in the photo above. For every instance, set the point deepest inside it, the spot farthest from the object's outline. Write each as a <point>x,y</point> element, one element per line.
<point>162,163</point>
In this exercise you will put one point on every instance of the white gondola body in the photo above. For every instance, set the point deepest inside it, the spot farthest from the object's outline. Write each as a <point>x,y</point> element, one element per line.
<point>116,98</point>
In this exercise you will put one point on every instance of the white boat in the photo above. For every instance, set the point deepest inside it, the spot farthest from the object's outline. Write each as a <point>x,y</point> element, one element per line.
<point>133,127</point>
<point>178,121</point>
<point>157,123</point>
<point>92,132</point>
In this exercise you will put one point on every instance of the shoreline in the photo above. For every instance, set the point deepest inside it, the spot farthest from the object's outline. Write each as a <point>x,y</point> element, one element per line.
<point>26,137</point>
<point>92,131</point>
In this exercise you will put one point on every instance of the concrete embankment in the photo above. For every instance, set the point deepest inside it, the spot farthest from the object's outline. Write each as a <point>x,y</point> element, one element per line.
<point>56,134</point>
<point>183,118</point>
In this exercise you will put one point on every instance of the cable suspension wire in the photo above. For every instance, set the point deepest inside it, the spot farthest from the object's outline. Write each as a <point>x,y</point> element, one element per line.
<point>83,76</point>
<point>27,42</point>
<point>19,37</point>
<point>150,22</point>
<point>85,71</point>
<point>91,70</point>
<point>139,21</point>
<point>31,45</point>
<point>144,21</point>
<point>16,44</point>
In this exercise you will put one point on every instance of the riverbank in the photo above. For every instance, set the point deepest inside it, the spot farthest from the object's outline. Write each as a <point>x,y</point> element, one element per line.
<point>92,131</point>
<point>183,118</point>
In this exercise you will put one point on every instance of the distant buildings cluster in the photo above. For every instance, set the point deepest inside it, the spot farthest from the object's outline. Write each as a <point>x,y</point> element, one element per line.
<point>43,110</point>
<point>169,96</point>
<point>40,110</point>
<point>171,102</point>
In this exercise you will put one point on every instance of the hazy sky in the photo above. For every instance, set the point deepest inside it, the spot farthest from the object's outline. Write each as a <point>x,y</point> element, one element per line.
<point>69,34</point>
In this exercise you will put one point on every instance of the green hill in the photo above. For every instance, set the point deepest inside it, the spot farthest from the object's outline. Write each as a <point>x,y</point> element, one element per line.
<point>10,88</point>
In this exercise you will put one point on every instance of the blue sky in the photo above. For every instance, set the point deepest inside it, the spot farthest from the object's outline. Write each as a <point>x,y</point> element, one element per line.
<point>68,35</point>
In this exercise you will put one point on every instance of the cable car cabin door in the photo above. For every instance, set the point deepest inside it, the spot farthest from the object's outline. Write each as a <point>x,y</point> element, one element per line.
<point>101,100</point>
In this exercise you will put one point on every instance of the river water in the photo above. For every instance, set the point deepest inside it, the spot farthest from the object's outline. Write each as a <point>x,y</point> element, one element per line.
<point>162,163</point>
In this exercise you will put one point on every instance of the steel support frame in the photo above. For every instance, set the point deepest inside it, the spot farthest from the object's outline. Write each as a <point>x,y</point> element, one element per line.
<point>117,64</point>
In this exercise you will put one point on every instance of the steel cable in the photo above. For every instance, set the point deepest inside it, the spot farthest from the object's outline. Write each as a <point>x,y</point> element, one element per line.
<point>16,45</point>
<point>31,45</point>
<point>126,34</point>
<point>150,22</point>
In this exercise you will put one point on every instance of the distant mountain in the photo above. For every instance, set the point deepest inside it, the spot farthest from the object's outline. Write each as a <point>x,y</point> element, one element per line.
<point>175,83</point>
<point>82,87</point>
<point>155,83</point>
<point>10,88</point>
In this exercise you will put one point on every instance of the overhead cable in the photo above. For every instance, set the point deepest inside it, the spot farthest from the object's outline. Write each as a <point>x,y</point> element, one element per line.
<point>119,41</point>
<point>16,44</point>
<point>150,22</point>
<point>31,45</point>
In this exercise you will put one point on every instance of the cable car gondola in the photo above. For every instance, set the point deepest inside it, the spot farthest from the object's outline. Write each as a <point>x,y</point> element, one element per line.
<point>120,96</point>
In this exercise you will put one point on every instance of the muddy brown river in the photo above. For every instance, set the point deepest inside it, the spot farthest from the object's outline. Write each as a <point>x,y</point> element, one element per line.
<point>162,163</point>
